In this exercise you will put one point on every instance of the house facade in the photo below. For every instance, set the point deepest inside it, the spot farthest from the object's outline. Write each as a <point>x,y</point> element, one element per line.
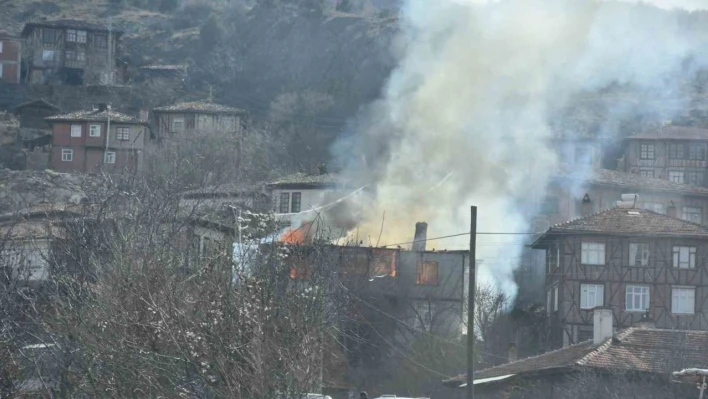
<point>83,141</point>
<point>202,117</point>
<point>34,130</point>
<point>631,261</point>
<point>674,153</point>
<point>71,52</point>
<point>10,58</point>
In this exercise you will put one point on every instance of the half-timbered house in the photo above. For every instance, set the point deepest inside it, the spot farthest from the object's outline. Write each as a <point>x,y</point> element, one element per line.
<point>629,260</point>
<point>178,119</point>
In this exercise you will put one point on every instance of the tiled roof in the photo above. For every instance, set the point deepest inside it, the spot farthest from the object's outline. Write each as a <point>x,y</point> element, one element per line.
<point>39,102</point>
<point>69,23</point>
<point>634,349</point>
<point>630,180</point>
<point>95,116</point>
<point>303,178</point>
<point>631,221</point>
<point>200,107</point>
<point>671,132</point>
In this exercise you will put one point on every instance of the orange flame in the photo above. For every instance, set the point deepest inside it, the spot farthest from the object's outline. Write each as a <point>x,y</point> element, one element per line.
<point>297,236</point>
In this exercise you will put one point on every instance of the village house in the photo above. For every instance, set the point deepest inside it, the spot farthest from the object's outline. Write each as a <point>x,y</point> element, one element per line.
<point>10,58</point>
<point>635,362</point>
<point>629,260</point>
<point>674,153</point>
<point>85,140</point>
<point>35,132</point>
<point>203,117</point>
<point>71,52</point>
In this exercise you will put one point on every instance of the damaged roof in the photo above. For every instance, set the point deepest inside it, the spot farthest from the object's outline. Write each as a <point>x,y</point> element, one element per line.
<point>69,24</point>
<point>671,132</point>
<point>325,179</point>
<point>648,350</point>
<point>95,116</point>
<point>200,107</point>
<point>630,180</point>
<point>42,103</point>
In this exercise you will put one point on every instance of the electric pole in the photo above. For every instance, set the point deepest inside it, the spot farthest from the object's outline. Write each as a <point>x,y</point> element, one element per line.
<point>471,288</point>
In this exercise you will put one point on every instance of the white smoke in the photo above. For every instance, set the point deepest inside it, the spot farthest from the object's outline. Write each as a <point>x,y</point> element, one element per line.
<point>475,92</point>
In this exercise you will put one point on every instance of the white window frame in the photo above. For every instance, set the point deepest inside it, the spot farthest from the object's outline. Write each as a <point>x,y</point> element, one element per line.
<point>75,130</point>
<point>592,296</point>
<point>81,36</point>
<point>179,119</point>
<point>45,54</point>
<point>684,257</point>
<point>640,292</point>
<point>95,132</point>
<point>67,155</point>
<point>592,253</point>
<point>110,157</point>
<point>692,214</point>
<point>123,133</point>
<point>71,35</point>
<point>683,300</point>
<point>677,176</point>
<point>639,251</point>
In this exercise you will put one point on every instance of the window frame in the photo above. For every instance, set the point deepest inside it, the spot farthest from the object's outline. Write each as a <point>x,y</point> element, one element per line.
<point>424,317</point>
<point>677,173</point>
<point>674,302</point>
<point>595,287</point>
<point>179,119</point>
<point>67,155</point>
<point>646,173</point>
<point>91,130</point>
<point>284,203</point>
<point>71,35</point>
<point>123,133</point>
<point>645,288</point>
<point>555,298</point>
<point>694,178</point>
<point>422,269</point>
<point>676,259</point>
<point>293,203</point>
<point>638,246</point>
<point>100,41</point>
<point>76,128</point>
<point>677,151</point>
<point>49,35</point>
<point>46,59</point>
<point>696,152</point>
<point>109,157</point>
<point>644,153</point>
<point>696,212</point>
<point>584,260</point>
<point>81,36</point>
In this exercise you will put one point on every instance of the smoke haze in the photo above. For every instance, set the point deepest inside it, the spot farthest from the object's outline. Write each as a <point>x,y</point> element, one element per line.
<point>466,117</point>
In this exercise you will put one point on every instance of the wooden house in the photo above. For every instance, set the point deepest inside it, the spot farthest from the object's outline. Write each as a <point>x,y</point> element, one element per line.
<point>202,117</point>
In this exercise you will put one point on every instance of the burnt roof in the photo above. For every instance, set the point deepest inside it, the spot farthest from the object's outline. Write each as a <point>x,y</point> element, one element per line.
<point>326,179</point>
<point>200,107</point>
<point>627,222</point>
<point>69,24</point>
<point>671,132</point>
<point>42,103</point>
<point>647,350</point>
<point>630,180</point>
<point>95,116</point>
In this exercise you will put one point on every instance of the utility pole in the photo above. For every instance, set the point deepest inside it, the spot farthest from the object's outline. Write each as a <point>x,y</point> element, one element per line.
<point>471,288</point>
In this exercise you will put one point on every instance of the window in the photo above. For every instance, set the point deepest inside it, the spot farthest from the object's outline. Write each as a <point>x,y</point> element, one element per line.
<point>101,41</point>
<point>110,157</point>
<point>685,257</point>
<point>284,202</point>
<point>427,273</point>
<point>296,203</point>
<point>123,133</point>
<point>692,214</point>
<point>639,254</point>
<point>48,55</point>
<point>49,35</point>
<point>683,300</point>
<point>676,176</point>
<point>676,151</point>
<point>646,172</point>
<point>646,151</point>
<point>550,206</point>
<point>81,36</point>
<point>67,155</point>
<point>593,253</point>
<point>70,55</point>
<point>591,295</point>
<point>424,312</point>
<point>0,47</point>
<point>71,35</point>
<point>697,152</point>
<point>75,130</point>
<point>80,56</point>
<point>694,178</point>
<point>178,124</point>
<point>552,258</point>
<point>654,207</point>
<point>555,298</point>
<point>95,131</point>
<point>637,298</point>
<point>0,69</point>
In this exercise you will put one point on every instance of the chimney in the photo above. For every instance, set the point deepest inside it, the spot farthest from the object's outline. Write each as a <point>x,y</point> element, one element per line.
<point>421,234</point>
<point>144,115</point>
<point>102,107</point>
<point>671,210</point>
<point>513,354</point>
<point>586,208</point>
<point>602,325</point>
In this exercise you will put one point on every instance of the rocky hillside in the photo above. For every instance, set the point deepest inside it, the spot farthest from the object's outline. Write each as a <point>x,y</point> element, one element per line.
<point>23,189</point>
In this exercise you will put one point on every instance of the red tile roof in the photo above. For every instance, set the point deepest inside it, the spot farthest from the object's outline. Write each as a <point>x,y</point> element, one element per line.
<point>634,349</point>
<point>671,132</point>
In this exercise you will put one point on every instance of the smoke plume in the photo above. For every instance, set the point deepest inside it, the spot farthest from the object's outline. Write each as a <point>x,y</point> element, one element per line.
<point>468,115</point>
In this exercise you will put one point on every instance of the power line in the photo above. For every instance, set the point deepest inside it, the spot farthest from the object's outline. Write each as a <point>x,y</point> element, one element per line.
<point>458,235</point>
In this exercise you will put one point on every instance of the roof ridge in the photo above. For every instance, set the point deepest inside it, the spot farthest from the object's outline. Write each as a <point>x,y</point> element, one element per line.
<point>603,346</point>
<point>535,356</point>
<point>580,217</point>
